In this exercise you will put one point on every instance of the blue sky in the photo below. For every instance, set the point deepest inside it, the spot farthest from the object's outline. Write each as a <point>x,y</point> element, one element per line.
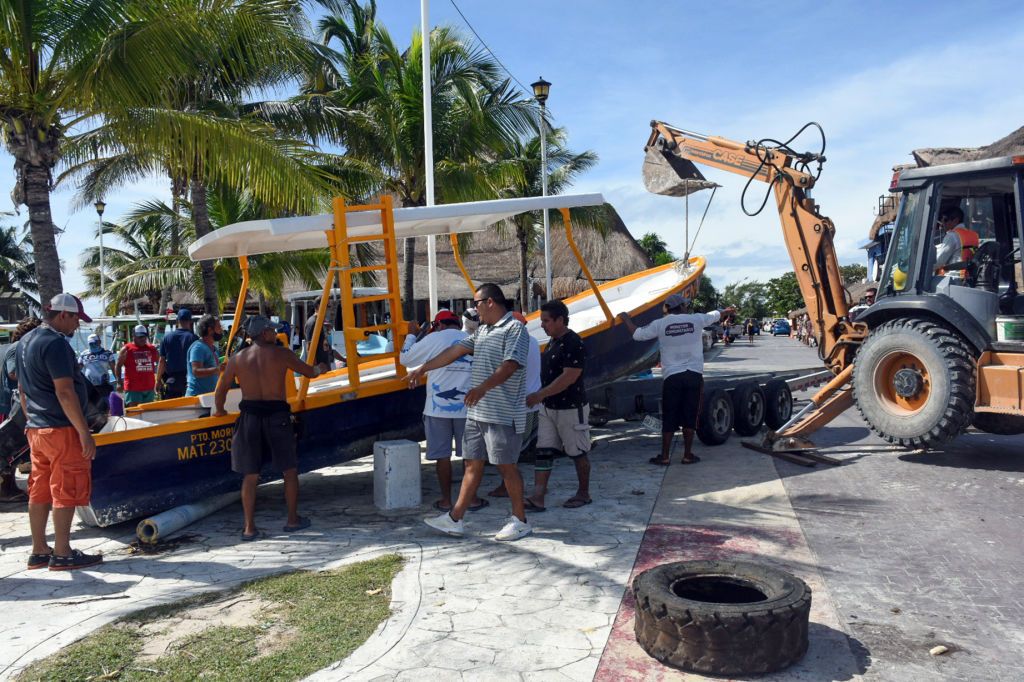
<point>883,78</point>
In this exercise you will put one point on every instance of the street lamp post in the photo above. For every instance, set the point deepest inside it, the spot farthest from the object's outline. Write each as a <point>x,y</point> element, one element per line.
<point>100,206</point>
<point>541,88</point>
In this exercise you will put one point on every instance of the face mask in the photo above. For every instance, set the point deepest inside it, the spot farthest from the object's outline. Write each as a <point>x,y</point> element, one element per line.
<point>95,347</point>
<point>217,336</point>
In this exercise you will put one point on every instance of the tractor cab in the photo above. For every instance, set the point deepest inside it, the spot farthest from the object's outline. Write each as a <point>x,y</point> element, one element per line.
<point>955,251</point>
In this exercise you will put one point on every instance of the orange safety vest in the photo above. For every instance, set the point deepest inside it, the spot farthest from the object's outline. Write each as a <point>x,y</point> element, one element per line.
<point>968,245</point>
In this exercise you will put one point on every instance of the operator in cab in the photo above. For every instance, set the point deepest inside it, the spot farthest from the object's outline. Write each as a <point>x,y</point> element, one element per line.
<point>958,245</point>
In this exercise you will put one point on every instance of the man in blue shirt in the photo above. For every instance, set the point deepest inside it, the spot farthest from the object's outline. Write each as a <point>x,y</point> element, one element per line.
<point>171,371</point>
<point>203,365</point>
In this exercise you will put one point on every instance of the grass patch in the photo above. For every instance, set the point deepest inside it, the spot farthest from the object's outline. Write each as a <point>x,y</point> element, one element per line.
<point>308,621</point>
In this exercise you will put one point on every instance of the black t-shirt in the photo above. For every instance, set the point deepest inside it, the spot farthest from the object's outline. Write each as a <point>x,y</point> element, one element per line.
<point>325,353</point>
<point>565,352</point>
<point>44,355</point>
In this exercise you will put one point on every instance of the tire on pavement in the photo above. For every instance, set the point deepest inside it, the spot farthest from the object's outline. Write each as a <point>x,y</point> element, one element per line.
<point>716,417</point>
<point>722,617</point>
<point>914,383</point>
<point>1000,424</point>
<point>748,406</point>
<point>778,403</point>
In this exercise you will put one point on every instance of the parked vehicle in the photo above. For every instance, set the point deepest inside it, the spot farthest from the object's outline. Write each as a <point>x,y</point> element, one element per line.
<point>780,328</point>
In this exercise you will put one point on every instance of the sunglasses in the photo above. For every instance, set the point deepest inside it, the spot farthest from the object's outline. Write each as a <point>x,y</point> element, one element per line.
<point>478,301</point>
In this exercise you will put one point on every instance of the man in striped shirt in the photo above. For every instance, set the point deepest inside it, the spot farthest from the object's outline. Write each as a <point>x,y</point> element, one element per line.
<point>496,415</point>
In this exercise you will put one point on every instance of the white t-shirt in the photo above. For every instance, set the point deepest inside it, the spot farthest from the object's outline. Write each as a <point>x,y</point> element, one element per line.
<point>679,338</point>
<point>533,372</point>
<point>446,387</point>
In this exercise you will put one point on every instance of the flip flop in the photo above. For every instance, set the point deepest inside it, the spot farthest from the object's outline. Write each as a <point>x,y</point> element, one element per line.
<point>577,502</point>
<point>533,506</point>
<point>303,524</point>
<point>690,461</point>
<point>659,461</point>
<point>438,507</point>
<point>255,536</point>
<point>479,505</point>
<point>498,493</point>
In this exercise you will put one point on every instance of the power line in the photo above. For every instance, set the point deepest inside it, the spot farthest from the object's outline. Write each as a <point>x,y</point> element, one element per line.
<point>500,63</point>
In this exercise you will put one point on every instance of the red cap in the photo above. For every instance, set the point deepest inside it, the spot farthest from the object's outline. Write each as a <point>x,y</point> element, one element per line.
<point>69,303</point>
<point>445,316</point>
<point>519,316</point>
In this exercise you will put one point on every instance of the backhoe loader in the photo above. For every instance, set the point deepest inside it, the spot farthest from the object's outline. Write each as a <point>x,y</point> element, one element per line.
<point>941,349</point>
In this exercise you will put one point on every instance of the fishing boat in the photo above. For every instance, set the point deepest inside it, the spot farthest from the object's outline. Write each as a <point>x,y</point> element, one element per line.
<point>171,452</point>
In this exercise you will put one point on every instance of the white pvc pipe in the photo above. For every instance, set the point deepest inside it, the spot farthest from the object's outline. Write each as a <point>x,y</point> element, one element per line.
<point>428,153</point>
<point>156,528</point>
<point>544,192</point>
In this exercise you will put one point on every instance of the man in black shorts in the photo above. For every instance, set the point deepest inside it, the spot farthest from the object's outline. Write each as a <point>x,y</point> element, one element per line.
<point>682,367</point>
<point>264,428</point>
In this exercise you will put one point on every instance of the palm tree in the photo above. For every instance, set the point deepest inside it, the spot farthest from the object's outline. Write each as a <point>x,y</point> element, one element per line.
<point>65,63</point>
<point>474,114</point>
<point>564,166</point>
<point>17,268</point>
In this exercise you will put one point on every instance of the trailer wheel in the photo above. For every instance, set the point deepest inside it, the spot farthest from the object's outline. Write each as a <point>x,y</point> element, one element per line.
<point>999,424</point>
<point>716,417</point>
<point>722,617</point>
<point>914,384</point>
<point>778,403</point>
<point>748,406</point>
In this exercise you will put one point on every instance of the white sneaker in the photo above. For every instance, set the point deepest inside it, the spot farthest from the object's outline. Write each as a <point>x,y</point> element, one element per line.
<point>447,525</point>
<point>513,530</point>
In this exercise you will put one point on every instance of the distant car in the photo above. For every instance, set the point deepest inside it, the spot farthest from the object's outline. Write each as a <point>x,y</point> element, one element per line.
<point>780,328</point>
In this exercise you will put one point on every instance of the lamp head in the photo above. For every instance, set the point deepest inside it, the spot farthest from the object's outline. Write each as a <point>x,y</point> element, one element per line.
<point>100,206</point>
<point>541,88</point>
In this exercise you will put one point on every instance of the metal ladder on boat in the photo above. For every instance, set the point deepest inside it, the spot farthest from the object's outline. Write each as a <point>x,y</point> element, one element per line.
<point>341,252</point>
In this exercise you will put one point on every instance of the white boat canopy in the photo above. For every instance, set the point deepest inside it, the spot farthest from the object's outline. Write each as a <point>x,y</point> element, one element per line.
<point>277,235</point>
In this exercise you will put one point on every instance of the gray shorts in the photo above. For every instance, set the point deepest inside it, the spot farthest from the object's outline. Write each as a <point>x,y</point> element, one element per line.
<point>441,432</point>
<point>497,443</point>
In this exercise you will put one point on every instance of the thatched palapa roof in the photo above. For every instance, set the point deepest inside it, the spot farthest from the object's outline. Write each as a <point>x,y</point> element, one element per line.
<point>937,156</point>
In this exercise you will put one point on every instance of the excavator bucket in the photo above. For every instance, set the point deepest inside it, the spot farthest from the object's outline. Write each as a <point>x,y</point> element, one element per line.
<point>670,175</point>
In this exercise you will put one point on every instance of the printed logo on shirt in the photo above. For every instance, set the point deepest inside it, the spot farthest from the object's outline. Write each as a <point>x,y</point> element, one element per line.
<point>679,329</point>
<point>452,397</point>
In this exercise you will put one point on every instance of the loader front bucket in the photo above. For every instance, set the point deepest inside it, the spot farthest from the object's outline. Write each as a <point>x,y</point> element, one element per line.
<point>670,175</point>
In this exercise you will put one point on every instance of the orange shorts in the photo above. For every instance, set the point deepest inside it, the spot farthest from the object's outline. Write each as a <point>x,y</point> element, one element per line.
<point>60,474</point>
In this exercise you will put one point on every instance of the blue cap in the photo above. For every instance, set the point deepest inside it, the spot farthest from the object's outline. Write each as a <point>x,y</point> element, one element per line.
<point>677,301</point>
<point>184,314</point>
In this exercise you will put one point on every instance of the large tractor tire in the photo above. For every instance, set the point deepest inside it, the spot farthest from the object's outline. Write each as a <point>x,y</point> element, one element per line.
<point>722,617</point>
<point>778,403</point>
<point>715,419</point>
<point>914,384</point>
<point>1000,424</point>
<point>748,407</point>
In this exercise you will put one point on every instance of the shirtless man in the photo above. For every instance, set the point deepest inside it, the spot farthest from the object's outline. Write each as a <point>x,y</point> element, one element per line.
<point>264,427</point>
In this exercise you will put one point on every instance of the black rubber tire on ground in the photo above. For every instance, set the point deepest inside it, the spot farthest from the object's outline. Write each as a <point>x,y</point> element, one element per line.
<point>716,417</point>
<point>949,388</point>
<point>778,403</point>
<point>733,635</point>
<point>748,407</point>
<point>1000,424</point>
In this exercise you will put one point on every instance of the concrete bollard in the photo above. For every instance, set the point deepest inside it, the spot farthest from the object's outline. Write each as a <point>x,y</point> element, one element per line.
<point>396,474</point>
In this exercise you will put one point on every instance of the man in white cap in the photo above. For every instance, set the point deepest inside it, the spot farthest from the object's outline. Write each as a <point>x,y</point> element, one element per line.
<point>97,363</point>
<point>682,368</point>
<point>139,360</point>
<point>53,395</point>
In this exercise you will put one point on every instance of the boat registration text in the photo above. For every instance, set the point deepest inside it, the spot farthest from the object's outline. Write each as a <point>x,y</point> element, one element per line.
<point>212,443</point>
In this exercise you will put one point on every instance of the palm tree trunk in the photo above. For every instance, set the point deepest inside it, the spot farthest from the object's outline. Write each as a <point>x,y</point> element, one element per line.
<point>178,187</point>
<point>409,279</point>
<point>524,285</point>
<point>35,183</point>
<point>201,217</point>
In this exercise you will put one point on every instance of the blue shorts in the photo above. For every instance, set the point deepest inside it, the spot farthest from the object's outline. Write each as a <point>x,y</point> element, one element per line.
<point>441,432</point>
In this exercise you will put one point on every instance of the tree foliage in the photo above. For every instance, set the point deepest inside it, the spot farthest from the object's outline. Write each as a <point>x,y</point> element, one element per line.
<point>656,248</point>
<point>853,273</point>
<point>707,297</point>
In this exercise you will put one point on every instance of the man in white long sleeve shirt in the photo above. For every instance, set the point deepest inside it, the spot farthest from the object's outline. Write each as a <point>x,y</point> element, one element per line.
<point>682,368</point>
<point>444,414</point>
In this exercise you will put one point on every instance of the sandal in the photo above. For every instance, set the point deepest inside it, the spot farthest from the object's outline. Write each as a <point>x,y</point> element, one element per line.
<point>575,502</point>
<point>659,461</point>
<point>303,524</point>
<point>78,559</point>
<point>438,507</point>
<point>533,506</point>
<point>479,505</point>
<point>39,560</point>
<point>250,538</point>
<point>693,460</point>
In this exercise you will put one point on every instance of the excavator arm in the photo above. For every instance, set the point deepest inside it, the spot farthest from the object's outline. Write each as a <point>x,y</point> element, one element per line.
<point>669,169</point>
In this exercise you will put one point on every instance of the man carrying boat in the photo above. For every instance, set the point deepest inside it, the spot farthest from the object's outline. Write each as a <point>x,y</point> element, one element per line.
<point>682,368</point>
<point>263,430</point>
<point>53,395</point>
<point>444,413</point>
<point>172,371</point>
<point>139,360</point>
<point>496,418</point>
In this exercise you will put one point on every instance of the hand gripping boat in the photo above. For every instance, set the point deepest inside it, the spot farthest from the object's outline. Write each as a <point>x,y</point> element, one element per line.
<point>170,452</point>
